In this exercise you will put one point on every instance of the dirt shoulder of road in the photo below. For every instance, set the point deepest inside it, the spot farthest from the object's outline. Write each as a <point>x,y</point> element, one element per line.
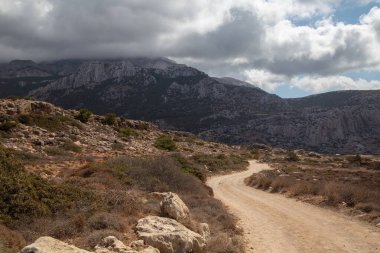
<point>274,223</point>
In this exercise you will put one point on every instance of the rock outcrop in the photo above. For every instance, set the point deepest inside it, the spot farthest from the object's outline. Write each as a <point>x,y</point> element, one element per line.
<point>50,245</point>
<point>109,244</point>
<point>169,236</point>
<point>173,207</point>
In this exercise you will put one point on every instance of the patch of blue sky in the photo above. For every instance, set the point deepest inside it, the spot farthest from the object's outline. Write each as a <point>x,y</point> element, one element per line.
<point>287,91</point>
<point>349,12</point>
<point>362,74</point>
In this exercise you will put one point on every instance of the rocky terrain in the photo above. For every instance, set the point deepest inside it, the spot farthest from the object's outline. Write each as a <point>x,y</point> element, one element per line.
<point>179,97</point>
<point>73,181</point>
<point>345,183</point>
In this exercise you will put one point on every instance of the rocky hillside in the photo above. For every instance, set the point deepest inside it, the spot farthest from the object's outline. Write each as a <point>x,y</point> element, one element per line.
<point>104,184</point>
<point>179,97</point>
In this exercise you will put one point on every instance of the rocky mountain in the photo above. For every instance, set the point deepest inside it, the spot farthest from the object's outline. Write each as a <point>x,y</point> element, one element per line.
<point>180,97</point>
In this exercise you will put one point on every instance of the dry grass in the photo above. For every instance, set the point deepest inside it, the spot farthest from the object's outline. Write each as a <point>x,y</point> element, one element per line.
<point>349,183</point>
<point>225,235</point>
<point>121,187</point>
<point>223,243</point>
<point>10,241</point>
<point>335,193</point>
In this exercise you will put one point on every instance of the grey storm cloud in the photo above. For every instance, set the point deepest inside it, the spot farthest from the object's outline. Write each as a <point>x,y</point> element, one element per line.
<point>217,36</point>
<point>239,37</point>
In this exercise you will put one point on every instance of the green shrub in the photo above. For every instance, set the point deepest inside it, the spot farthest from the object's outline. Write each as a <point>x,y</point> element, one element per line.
<point>49,122</point>
<point>55,151</point>
<point>165,143</point>
<point>154,174</point>
<point>68,145</point>
<point>292,157</point>
<point>221,162</point>
<point>25,195</point>
<point>128,132</point>
<point>109,119</point>
<point>140,125</point>
<point>189,167</point>
<point>83,115</point>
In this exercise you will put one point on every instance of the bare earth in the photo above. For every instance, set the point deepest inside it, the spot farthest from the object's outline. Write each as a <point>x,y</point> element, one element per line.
<point>274,223</point>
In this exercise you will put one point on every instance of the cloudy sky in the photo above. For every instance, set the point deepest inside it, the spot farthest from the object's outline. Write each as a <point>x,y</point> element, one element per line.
<point>288,47</point>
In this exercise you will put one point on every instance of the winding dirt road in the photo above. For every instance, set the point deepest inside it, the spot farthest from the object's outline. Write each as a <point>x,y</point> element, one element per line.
<point>274,223</point>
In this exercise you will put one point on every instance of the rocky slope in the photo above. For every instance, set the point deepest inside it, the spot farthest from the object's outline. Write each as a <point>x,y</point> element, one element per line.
<point>179,97</point>
<point>80,178</point>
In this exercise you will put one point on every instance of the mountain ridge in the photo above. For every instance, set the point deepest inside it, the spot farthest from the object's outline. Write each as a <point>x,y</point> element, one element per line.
<point>179,97</point>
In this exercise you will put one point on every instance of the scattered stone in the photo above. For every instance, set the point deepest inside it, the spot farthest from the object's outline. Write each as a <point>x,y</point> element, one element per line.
<point>169,236</point>
<point>111,244</point>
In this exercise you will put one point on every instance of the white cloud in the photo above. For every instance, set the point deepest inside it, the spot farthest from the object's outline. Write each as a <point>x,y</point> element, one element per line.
<point>329,83</point>
<point>265,79</point>
<point>257,39</point>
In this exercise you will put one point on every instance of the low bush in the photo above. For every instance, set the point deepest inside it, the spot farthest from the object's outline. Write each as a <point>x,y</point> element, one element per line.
<point>24,195</point>
<point>165,143</point>
<point>335,193</point>
<point>68,227</point>
<point>280,183</point>
<point>55,151</point>
<point>109,119</point>
<point>150,174</point>
<point>128,132</point>
<point>155,174</point>
<point>103,220</point>
<point>51,122</point>
<point>221,162</point>
<point>190,167</point>
<point>304,188</point>
<point>292,157</point>
<point>83,115</point>
<point>69,145</point>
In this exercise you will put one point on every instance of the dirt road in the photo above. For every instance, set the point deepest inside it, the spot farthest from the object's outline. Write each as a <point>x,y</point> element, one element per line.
<point>274,223</point>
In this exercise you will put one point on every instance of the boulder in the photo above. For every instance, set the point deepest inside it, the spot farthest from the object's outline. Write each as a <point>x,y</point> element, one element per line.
<point>169,236</point>
<point>111,244</point>
<point>50,245</point>
<point>173,207</point>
